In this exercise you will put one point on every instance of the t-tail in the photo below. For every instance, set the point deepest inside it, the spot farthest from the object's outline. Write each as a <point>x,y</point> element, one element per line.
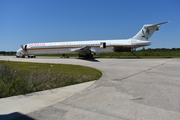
<point>146,32</point>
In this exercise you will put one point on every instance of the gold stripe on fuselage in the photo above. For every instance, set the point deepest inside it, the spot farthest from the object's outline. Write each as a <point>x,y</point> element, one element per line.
<point>77,47</point>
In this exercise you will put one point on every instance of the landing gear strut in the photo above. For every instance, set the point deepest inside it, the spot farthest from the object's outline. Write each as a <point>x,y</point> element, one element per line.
<point>135,54</point>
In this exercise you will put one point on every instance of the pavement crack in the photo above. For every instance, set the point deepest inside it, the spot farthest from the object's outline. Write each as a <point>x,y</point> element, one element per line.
<point>137,99</point>
<point>94,111</point>
<point>143,71</point>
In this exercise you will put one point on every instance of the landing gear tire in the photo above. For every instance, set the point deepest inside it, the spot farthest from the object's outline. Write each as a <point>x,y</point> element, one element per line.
<point>64,56</point>
<point>31,56</point>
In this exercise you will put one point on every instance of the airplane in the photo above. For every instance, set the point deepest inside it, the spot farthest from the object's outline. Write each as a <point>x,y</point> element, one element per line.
<point>87,49</point>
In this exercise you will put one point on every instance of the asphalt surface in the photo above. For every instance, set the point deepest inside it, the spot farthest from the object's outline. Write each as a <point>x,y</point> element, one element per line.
<point>130,89</point>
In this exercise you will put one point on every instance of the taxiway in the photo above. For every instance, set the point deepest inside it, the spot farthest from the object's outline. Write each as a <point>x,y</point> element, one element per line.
<point>130,89</point>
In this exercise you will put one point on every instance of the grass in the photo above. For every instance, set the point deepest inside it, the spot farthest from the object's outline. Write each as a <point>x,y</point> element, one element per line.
<point>21,77</point>
<point>141,54</point>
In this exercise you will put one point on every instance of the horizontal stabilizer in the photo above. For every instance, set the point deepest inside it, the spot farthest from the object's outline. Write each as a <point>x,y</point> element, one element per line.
<point>158,24</point>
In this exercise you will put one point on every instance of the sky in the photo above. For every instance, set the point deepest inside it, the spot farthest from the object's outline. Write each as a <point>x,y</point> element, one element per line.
<point>37,21</point>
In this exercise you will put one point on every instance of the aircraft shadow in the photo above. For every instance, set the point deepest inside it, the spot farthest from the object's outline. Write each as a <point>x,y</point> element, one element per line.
<point>91,60</point>
<point>128,58</point>
<point>15,116</point>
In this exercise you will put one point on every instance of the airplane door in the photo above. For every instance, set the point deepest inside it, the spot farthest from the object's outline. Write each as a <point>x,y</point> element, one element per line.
<point>102,44</point>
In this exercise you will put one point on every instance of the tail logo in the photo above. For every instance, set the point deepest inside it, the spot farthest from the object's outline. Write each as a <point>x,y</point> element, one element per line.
<point>145,33</point>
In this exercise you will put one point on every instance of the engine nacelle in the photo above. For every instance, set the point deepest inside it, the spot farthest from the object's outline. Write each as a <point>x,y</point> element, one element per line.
<point>122,49</point>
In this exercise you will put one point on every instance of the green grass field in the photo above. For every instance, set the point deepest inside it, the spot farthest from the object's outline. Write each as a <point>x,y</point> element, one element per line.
<point>21,77</point>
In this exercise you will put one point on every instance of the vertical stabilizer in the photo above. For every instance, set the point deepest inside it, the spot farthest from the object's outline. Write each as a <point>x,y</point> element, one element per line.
<point>146,32</point>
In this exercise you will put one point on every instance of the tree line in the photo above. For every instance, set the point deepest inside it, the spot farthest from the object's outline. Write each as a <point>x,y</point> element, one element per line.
<point>7,53</point>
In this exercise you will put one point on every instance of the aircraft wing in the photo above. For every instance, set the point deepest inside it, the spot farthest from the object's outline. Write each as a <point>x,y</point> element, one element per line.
<point>83,50</point>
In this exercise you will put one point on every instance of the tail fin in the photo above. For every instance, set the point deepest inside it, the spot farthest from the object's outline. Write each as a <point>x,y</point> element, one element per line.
<point>147,30</point>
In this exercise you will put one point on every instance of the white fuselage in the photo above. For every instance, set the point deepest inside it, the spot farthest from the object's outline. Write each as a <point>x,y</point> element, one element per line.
<point>71,47</point>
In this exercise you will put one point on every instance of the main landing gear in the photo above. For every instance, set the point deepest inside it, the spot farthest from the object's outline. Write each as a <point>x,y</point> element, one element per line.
<point>31,56</point>
<point>86,56</point>
<point>65,56</point>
